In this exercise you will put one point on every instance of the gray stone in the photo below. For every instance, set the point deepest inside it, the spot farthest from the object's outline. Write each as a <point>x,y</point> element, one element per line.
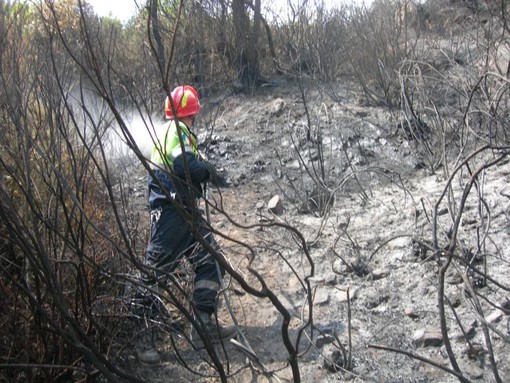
<point>338,266</point>
<point>505,306</point>
<point>455,300</point>
<point>426,337</point>
<point>473,371</point>
<point>330,279</point>
<point>324,339</point>
<point>505,193</point>
<point>275,205</point>
<point>341,295</point>
<point>494,317</point>
<point>321,296</point>
<point>277,107</point>
<point>379,274</point>
<point>409,311</point>
<point>335,362</point>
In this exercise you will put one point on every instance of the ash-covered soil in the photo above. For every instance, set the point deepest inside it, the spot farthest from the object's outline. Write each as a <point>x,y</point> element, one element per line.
<point>361,257</point>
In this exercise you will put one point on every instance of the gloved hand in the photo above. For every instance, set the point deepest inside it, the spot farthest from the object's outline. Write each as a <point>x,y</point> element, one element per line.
<point>214,177</point>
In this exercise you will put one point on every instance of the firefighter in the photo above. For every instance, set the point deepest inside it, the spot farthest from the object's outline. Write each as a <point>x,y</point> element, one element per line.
<point>174,191</point>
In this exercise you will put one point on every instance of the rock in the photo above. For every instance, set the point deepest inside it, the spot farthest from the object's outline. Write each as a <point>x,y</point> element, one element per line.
<point>374,301</point>
<point>426,337</point>
<point>473,371</point>
<point>277,107</point>
<point>505,193</point>
<point>466,221</point>
<point>470,333</point>
<point>505,306</point>
<point>494,317</point>
<point>321,296</point>
<point>317,280</point>
<point>294,164</point>
<point>275,205</point>
<point>379,274</point>
<point>260,206</point>
<point>324,339</point>
<point>455,300</point>
<point>335,362</point>
<point>409,311</point>
<point>338,266</point>
<point>441,212</point>
<point>341,295</point>
<point>330,279</point>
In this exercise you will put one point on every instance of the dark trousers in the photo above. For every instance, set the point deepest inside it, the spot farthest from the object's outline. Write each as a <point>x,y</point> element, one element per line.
<point>172,239</point>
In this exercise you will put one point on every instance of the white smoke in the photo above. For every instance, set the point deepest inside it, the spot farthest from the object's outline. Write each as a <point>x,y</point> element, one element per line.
<point>141,127</point>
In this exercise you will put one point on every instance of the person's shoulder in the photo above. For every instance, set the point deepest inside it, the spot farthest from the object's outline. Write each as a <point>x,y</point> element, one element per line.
<point>184,128</point>
<point>170,126</point>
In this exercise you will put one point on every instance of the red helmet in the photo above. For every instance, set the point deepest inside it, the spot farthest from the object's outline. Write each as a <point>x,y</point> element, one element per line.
<point>185,100</point>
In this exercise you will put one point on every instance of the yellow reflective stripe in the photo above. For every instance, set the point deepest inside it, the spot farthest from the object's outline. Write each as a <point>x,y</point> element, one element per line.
<point>177,152</point>
<point>210,285</point>
<point>184,100</point>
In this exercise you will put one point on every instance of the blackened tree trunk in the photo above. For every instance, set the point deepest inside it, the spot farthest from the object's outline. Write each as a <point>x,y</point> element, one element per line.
<point>247,35</point>
<point>156,33</point>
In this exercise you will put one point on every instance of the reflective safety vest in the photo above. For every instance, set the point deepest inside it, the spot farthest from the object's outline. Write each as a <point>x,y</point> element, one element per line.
<point>168,147</point>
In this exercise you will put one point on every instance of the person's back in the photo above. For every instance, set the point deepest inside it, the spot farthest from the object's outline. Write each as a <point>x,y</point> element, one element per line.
<point>177,176</point>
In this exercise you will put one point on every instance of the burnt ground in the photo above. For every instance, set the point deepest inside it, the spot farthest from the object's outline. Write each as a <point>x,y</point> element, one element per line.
<point>369,239</point>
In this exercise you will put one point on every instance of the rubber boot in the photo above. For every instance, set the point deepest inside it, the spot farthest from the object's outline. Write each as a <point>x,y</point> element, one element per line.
<point>214,330</point>
<point>146,349</point>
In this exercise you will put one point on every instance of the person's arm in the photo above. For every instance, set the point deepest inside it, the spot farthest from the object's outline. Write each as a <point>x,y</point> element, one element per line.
<point>198,171</point>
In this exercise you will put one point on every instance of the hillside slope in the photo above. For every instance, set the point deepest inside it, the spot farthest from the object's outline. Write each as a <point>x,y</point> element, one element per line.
<point>373,241</point>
